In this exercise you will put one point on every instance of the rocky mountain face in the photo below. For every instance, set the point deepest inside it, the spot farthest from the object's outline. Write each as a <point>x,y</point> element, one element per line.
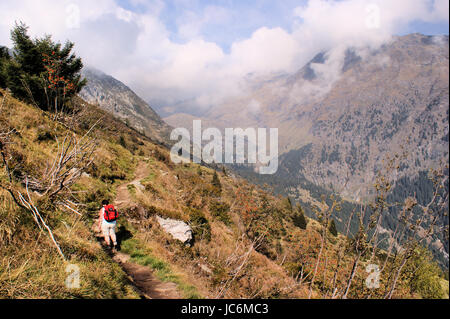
<point>349,108</point>
<point>345,112</point>
<point>116,98</point>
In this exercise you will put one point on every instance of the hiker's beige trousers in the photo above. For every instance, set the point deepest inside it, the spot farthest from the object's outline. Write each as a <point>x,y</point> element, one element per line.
<point>109,231</point>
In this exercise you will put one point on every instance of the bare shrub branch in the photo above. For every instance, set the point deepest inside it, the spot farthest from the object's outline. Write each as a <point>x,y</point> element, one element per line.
<point>237,261</point>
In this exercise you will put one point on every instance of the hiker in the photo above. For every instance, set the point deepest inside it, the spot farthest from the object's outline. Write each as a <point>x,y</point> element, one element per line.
<point>107,223</point>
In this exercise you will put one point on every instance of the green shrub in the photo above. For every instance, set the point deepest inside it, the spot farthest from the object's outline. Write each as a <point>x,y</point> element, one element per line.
<point>162,156</point>
<point>287,205</point>
<point>150,188</point>
<point>220,211</point>
<point>44,134</point>
<point>200,225</point>
<point>423,275</point>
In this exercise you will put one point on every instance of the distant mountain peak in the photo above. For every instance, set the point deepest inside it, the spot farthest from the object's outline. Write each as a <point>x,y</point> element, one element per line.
<point>118,99</point>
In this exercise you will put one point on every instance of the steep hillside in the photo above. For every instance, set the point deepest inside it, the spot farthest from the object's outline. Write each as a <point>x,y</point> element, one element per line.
<point>116,98</point>
<point>30,266</point>
<point>247,242</point>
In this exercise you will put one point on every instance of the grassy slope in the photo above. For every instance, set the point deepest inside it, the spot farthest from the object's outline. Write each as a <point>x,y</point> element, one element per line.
<point>29,264</point>
<point>31,267</point>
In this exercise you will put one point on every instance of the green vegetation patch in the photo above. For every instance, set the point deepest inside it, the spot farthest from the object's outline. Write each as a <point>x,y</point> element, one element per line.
<point>220,211</point>
<point>200,224</point>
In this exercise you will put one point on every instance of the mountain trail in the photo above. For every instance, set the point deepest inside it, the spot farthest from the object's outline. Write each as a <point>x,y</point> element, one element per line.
<point>143,279</point>
<point>148,286</point>
<point>123,197</point>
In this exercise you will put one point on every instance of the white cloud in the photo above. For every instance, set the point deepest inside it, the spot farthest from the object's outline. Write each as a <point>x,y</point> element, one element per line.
<point>268,50</point>
<point>138,48</point>
<point>326,24</point>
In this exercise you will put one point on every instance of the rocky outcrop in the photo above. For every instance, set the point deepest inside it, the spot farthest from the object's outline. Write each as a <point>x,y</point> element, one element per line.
<point>177,229</point>
<point>115,97</point>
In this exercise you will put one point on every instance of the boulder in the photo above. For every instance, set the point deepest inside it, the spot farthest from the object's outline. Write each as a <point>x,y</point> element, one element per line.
<point>177,228</point>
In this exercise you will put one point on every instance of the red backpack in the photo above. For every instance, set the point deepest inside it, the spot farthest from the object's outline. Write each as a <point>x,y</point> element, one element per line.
<point>110,214</point>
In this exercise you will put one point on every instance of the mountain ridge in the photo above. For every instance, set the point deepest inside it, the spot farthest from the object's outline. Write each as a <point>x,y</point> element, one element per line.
<point>115,97</point>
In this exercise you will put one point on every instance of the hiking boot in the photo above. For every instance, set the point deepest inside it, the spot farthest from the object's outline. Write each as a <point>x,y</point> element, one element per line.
<point>114,249</point>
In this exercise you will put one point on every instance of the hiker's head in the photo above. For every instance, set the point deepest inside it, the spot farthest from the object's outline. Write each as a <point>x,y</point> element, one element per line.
<point>105,202</point>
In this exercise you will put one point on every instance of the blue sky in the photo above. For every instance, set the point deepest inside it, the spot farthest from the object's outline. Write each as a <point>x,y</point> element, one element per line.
<point>246,16</point>
<point>243,17</point>
<point>439,28</point>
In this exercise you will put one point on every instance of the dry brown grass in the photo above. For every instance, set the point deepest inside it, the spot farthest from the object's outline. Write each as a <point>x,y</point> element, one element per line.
<point>31,268</point>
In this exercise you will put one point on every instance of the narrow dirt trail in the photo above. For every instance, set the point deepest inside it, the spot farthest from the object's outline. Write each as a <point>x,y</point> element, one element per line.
<point>142,277</point>
<point>123,197</point>
<point>145,281</point>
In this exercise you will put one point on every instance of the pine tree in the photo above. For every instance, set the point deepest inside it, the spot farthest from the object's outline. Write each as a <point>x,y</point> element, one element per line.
<point>224,171</point>
<point>41,71</point>
<point>26,53</point>
<point>4,59</point>
<point>216,182</point>
<point>299,219</point>
<point>23,72</point>
<point>332,228</point>
<point>4,53</point>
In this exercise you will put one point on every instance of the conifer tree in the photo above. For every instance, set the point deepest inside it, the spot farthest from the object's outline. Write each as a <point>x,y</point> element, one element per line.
<point>41,71</point>
<point>299,219</point>
<point>4,59</point>
<point>216,182</point>
<point>332,228</point>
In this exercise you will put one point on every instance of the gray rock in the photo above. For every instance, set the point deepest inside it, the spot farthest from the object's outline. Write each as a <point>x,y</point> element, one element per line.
<point>177,228</point>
